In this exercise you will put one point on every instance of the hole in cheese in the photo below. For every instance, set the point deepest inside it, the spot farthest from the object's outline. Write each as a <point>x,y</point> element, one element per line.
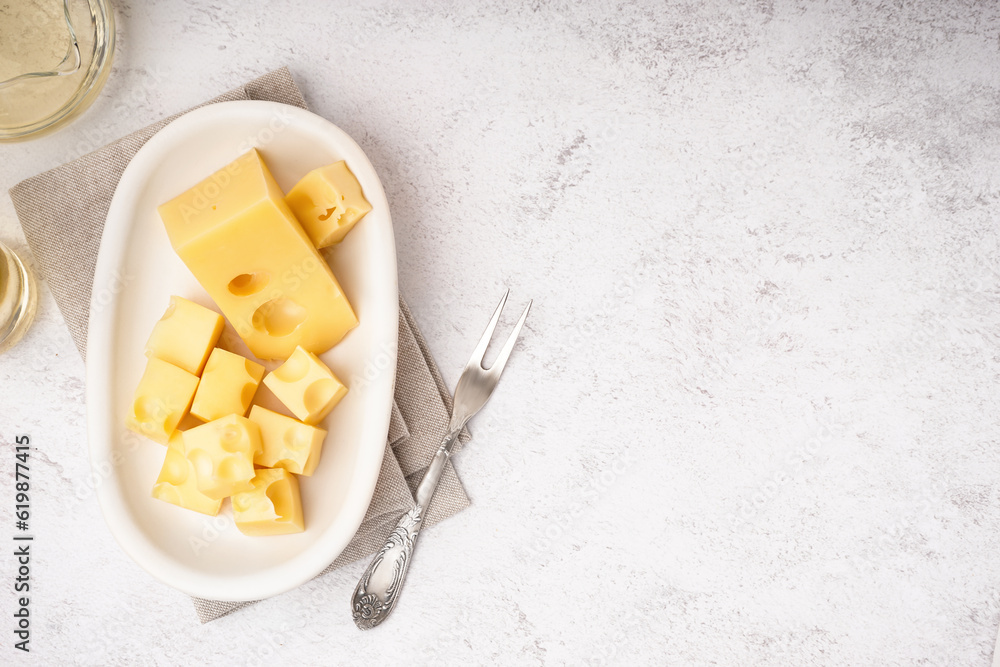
<point>294,369</point>
<point>151,413</point>
<point>280,495</point>
<point>202,462</point>
<point>278,317</point>
<point>291,465</point>
<point>164,491</point>
<point>246,396</point>
<point>175,468</point>
<point>295,439</point>
<point>234,468</point>
<point>246,284</point>
<point>231,438</point>
<point>329,212</point>
<point>319,394</point>
<point>241,502</point>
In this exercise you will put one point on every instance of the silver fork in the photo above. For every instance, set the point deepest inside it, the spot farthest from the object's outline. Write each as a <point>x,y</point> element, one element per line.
<point>378,591</point>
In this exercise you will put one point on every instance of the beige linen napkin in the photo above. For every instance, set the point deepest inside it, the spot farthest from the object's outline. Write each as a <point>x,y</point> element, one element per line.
<point>62,212</point>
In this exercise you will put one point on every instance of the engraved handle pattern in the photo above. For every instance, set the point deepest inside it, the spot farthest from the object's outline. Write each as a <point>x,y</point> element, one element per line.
<point>377,592</point>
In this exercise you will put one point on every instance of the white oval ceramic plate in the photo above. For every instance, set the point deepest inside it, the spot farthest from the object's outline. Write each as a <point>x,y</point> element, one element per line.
<point>137,271</point>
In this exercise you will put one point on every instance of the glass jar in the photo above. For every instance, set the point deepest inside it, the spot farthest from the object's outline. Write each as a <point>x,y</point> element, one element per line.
<point>55,56</point>
<point>18,297</point>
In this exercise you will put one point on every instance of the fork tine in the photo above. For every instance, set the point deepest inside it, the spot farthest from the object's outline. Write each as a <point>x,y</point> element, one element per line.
<point>497,367</point>
<point>484,342</point>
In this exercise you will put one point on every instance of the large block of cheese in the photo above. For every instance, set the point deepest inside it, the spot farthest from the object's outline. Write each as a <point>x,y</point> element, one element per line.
<point>227,386</point>
<point>271,507</point>
<point>222,454</point>
<point>178,484</point>
<point>287,443</point>
<point>185,335</point>
<point>161,400</point>
<point>306,386</point>
<point>328,202</point>
<point>241,241</point>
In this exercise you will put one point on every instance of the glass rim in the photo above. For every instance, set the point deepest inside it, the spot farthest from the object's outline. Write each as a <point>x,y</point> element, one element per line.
<point>97,73</point>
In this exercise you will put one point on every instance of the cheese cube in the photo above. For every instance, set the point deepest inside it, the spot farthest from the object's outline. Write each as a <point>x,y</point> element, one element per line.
<point>238,237</point>
<point>161,400</point>
<point>271,507</point>
<point>328,202</point>
<point>227,386</point>
<point>185,335</point>
<point>222,453</point>
<point>287,443</point>
<point>178,484</point>
<point>306,386</point>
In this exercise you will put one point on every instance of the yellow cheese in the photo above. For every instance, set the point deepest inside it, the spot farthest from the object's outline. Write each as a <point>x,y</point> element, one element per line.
<point>241,241</point>
<point>272,506</point>
<point>161,400</point>
<point>227,386</point>
<point>328,202</point>
<point>222,453</point>
<point>306,386</point>
<point>185,335</point>
<point>177,483</point>
<point>287,443</point>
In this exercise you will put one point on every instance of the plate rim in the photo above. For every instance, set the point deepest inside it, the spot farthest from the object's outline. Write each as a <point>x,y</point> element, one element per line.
<point>305,565</point>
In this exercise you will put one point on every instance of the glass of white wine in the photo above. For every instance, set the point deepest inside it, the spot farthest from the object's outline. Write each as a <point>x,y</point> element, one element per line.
<point>55,56</point>
<point>18,297</point>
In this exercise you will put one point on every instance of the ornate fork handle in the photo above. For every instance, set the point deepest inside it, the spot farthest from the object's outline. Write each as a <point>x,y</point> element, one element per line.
<point>378,590</point>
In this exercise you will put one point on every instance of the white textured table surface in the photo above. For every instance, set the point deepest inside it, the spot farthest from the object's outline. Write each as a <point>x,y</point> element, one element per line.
<point>754,417</point>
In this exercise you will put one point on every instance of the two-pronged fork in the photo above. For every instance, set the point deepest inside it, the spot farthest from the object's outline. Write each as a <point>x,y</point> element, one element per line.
<point>376,594</point>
